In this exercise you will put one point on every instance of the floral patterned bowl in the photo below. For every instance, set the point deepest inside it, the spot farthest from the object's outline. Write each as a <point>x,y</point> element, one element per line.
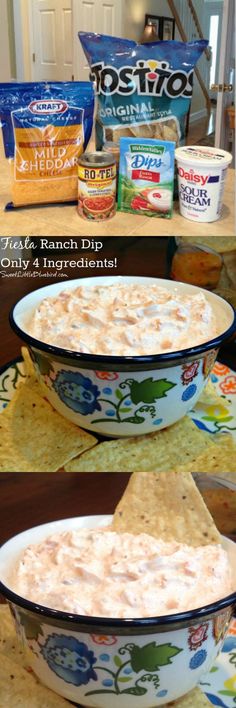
<point>128,663</point>
<point>122,395</point>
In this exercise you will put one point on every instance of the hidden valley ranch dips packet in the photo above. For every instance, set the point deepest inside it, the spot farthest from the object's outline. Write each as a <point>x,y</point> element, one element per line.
<point>146,176</point>
<point>144,90</point>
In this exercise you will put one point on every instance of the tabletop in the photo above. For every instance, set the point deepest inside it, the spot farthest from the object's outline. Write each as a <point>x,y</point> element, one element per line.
<point>64,220</point>
<point>27,500</point>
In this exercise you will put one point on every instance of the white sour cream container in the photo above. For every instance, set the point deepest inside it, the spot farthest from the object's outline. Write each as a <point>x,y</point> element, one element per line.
<point>201,175</point>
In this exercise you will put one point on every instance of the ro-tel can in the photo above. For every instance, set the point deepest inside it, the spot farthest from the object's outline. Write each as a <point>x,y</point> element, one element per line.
<point>97,186</point>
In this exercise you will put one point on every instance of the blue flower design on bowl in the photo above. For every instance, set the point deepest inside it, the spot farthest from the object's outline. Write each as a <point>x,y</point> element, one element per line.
<point>70,659</point>
<point>198,659</point>
<point>189,392</point>
<point>77,392</point>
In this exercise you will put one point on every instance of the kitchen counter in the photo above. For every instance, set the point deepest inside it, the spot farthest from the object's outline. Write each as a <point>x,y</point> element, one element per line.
<point>64,220</point>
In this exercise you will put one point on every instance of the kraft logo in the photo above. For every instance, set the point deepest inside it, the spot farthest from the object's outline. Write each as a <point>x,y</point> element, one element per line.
<point>192,176</point>
<point>45,107</point>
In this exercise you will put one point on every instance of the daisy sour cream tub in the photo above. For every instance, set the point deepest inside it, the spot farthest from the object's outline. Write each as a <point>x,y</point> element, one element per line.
<point>201,177</point>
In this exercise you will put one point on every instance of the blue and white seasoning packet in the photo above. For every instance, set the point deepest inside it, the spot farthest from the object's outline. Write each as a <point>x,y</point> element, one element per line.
<point>146,177</point>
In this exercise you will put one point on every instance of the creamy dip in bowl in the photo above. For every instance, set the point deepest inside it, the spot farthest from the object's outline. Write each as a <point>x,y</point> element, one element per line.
<point>118,321</point>
<point>85,658</point>
<point>103,573</point>
<point>158,341</point>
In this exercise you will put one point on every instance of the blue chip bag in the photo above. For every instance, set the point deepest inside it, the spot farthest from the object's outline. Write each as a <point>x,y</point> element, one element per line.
<point>146,177</point>
<point>46,127</point>
<point>144,90</point>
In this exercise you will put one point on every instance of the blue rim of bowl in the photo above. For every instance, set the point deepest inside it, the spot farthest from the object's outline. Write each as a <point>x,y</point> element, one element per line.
<point>115,623</point>
<point>124,360</point>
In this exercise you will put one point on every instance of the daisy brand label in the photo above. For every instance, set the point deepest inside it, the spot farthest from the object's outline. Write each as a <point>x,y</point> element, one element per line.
<point>192,176</point>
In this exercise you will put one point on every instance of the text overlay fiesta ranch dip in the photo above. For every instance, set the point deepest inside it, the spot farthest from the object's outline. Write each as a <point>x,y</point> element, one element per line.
<point>124,320</point>
<point>106,574</point>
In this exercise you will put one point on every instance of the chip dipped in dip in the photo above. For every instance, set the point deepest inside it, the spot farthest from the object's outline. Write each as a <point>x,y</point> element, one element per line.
<point>104,573</point>
<point>123,320</point>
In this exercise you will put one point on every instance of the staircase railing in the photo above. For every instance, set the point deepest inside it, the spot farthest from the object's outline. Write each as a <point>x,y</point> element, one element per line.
<point>185,38</point>
<point>198,27</point>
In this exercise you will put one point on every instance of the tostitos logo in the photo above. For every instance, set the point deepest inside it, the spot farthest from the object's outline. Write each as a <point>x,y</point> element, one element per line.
<point>46,107</point>
<point>154,78</point>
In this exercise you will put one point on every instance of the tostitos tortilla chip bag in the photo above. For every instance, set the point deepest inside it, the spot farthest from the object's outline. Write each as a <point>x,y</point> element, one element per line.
<point>46,127</point>
<point>144,90</point>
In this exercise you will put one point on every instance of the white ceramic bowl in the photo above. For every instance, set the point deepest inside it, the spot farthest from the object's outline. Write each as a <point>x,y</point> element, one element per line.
<point>122,395</point>
<point>124,663</point>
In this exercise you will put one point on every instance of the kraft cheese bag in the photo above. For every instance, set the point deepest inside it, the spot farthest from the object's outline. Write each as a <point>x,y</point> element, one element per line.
<point>146,177</point>
<point>46,127</point>
<point>144,90</point>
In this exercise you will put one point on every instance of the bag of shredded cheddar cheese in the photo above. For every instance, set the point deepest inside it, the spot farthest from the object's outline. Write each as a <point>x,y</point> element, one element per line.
<point>46,127</point>
<point>144,90</point>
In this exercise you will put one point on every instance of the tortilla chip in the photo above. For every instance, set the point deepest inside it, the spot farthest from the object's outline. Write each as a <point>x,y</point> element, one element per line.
<point>209,396</point>
<point>221,244</point>
<point>167,506</point>
<point>227,294</point>
<point>220,458</point>
<point>160,451</point>
<point>21,689</point>
<point>221,503</point>
<point>169,133</point>
<point>10,645</point>
<point>114,135</point>
<point>145,130</point>
<point>158,131</point>
<point>194,699</point>
<point>29,369</point>
<point>32,378</point>
<point>168,449</point>
<point>34,437</point>
<point>230,267</point>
